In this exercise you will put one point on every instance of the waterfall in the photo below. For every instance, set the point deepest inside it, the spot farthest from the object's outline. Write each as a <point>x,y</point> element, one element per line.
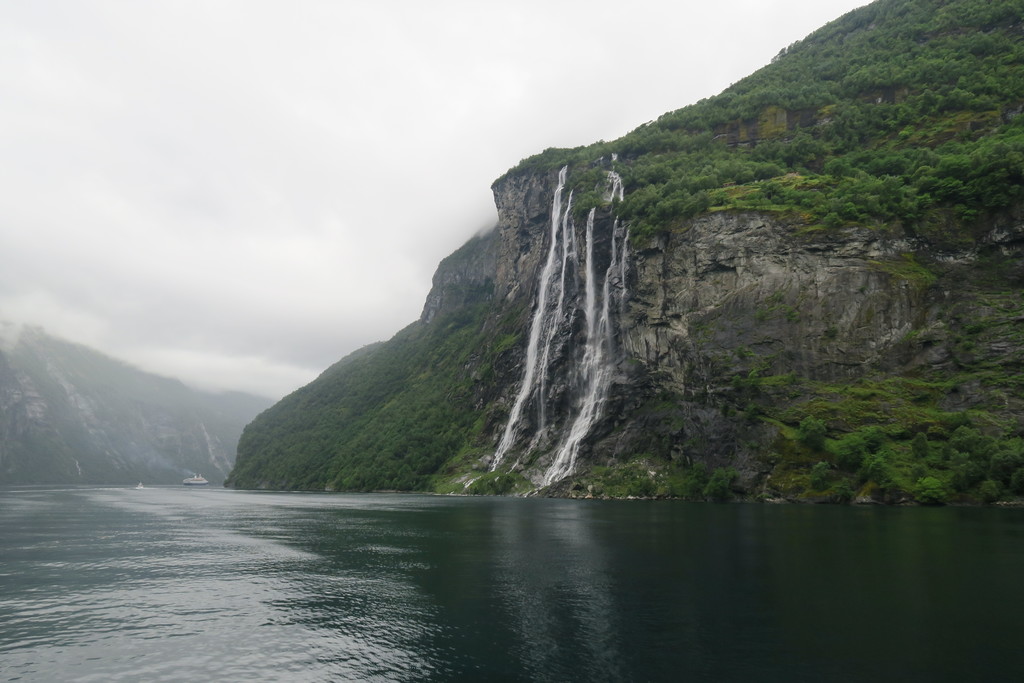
<point>615,190</point>
<point>551,323</point>
<point>597,366</point>
<point>557,306</point>
<point>540,321</point>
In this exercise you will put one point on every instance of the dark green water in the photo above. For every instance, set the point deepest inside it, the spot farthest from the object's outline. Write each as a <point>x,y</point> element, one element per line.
<point>175,584</point>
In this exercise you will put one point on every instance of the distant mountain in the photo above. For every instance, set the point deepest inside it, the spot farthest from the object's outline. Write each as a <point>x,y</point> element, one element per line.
<point>808,287</point>
<point>69,414</point>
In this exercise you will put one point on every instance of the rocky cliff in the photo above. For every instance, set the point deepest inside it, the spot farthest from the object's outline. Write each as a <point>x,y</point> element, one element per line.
<point>734,317</point>
<point>826,307</point>
<point>69,415</point>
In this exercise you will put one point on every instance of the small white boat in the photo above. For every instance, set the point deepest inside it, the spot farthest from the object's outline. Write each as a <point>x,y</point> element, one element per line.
<point>195,480</point>
<point>140,486</point>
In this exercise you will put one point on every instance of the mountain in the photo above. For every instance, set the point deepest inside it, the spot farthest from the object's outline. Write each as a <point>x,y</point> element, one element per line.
<point>809,287</point>
<point>71,415</point>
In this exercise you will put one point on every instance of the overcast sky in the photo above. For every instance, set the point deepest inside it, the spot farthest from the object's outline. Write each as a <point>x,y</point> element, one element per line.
<point>239,193</point>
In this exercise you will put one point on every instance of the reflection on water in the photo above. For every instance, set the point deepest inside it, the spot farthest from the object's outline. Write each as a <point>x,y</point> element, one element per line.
<point>554,579</point>
<point>169,584</point>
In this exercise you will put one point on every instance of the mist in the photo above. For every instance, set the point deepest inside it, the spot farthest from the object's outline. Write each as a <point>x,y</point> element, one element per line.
<point>240,194</point>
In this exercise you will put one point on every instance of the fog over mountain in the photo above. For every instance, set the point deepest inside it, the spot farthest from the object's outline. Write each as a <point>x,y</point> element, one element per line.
<point>71,415</point>
<point>238,194</point>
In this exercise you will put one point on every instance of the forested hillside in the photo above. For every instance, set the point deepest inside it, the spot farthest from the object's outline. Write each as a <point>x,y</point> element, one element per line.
<point>387,416</point>
<point>823,298</point>
<point>904,111</point>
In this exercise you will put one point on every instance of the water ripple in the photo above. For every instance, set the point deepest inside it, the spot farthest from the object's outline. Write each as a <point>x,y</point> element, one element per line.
<point>111,585</point>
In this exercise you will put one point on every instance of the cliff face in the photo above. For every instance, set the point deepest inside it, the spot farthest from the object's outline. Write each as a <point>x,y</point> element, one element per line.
<point>71,415</point>
<point>463,278</point>
<point>735,315</point>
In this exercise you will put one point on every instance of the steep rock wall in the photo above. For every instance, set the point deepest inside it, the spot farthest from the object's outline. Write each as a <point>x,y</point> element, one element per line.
<point>523,202</point>
<point>730,296</point>
<point>463,278</point>
<point>826,307</point>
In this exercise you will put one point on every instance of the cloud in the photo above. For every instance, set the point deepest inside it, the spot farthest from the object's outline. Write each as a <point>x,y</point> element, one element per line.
<point>241,193</point>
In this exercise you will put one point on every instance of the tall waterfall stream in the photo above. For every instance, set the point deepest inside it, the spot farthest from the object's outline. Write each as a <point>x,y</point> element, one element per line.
<point>558,304</point>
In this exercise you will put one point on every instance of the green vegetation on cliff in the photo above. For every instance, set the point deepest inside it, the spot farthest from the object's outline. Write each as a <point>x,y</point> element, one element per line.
<point>384,418</point>
<point>903,111</point>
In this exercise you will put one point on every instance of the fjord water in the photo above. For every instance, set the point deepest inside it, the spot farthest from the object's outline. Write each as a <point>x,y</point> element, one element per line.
<point>170,584</point>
